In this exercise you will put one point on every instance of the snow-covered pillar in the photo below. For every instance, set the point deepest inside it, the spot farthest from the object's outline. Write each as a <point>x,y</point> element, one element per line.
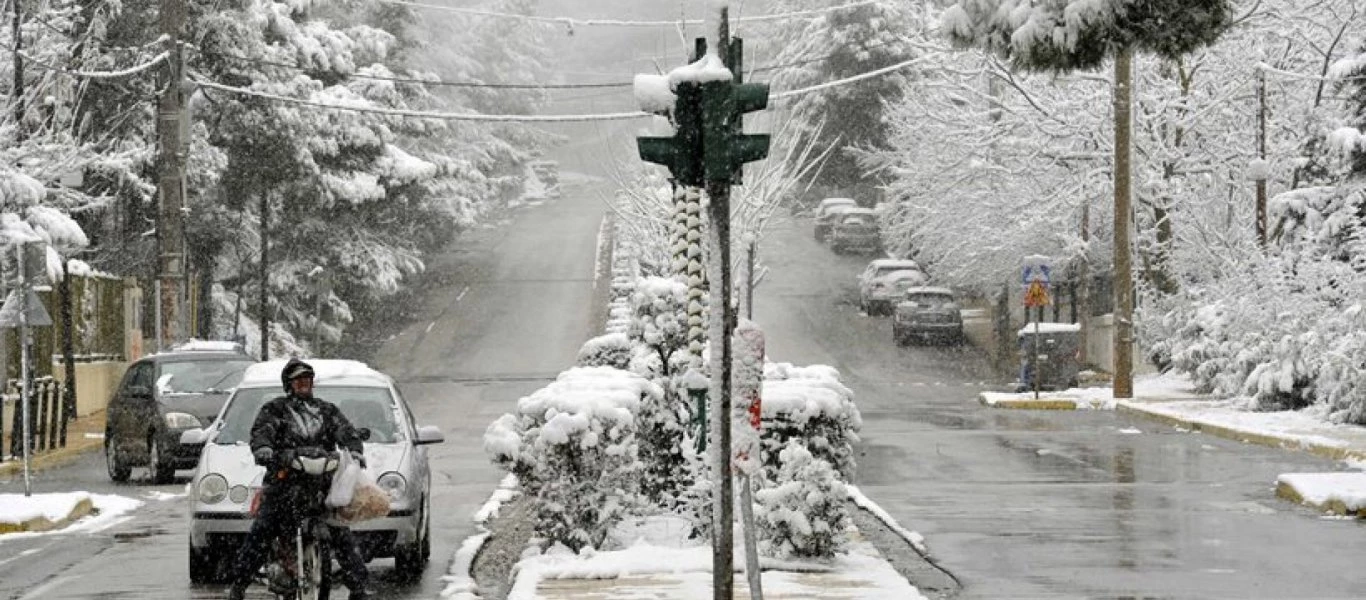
<point>746,415</point>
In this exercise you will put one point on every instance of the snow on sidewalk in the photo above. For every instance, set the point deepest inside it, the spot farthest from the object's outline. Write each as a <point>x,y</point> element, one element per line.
<point>645,572</point>
<point>27,516</point>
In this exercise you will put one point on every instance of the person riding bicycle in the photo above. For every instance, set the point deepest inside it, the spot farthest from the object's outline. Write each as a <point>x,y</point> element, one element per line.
<point>285,425</point>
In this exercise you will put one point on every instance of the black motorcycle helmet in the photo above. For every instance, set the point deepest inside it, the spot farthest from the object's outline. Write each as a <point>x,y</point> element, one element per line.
<point>295,369</point>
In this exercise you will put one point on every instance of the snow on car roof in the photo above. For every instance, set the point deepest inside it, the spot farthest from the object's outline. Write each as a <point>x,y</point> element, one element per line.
<point>929,290</point>
<point>268,373</point>
<point>901,274</point>
<point>209,346</point>
<point>829,201</point>
<point>904,263</point>
<point>858,210</point>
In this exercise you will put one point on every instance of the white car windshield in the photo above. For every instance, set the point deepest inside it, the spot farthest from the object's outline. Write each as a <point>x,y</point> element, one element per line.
<point>370,407</point>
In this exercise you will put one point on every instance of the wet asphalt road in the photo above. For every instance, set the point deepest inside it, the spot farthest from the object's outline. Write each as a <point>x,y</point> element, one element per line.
<point>1042,504</point>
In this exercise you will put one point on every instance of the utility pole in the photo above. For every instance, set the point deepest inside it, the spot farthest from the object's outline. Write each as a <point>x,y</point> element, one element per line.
<point>723,315</point>
<point>171,178</point>
<point>25,378</point>
<point>1261,173</point>
<point>17,91</point>
<point>1124,295</point>
<point>1084,275</point>
<point>262,273</point>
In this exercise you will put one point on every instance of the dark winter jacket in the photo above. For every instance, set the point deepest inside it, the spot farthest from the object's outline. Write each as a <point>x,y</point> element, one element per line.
<point>286,423</point>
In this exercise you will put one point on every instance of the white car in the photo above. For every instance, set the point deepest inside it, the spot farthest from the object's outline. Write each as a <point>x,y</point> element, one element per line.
<point>879,268</point>
<point>825,214</point>
<point>228,478</point>
<point>885,291</point>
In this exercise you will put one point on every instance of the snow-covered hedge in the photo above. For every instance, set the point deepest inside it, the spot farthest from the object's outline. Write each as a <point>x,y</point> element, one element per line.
<point>801,512</point>
<point>572,446</point>
<point>811,405</point>
<point>610,350</point>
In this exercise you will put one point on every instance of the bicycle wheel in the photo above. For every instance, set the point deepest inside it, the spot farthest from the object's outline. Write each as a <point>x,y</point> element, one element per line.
<point>315,570</point>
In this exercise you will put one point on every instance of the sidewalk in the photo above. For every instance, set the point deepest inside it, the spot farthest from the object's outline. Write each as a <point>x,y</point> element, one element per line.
<point>84,434</point>
<point>636,574</point>
<point>1170,400</point>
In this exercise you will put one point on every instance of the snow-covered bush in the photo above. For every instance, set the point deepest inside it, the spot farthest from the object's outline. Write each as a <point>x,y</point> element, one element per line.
<point>802,512</point>
<point>572,446</point>
<point>610,350</point>
<point>809,405</point>
<point>658,330</point>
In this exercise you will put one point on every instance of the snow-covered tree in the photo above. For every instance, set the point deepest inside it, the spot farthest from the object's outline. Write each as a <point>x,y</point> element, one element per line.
<point>572,446</point>
<point>802,512</point>
<point>845,120</point>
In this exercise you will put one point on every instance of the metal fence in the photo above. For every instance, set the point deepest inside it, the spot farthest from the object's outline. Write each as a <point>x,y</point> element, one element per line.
<point>48,416</point>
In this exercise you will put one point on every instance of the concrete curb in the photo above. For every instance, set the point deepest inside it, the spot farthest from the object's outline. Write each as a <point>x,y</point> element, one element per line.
<point>49,459</point>
<point>1247,437</point>
<point>1138,409</point>
<point>1042,403</point>
<point>83,508</point>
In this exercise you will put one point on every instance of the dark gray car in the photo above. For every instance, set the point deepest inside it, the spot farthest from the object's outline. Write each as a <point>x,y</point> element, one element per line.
<point>160,397</point>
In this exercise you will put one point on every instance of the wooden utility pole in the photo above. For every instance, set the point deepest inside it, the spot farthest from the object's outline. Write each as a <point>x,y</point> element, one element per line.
<point>171,156</point>
<point>263,273</point>
<point>1261,173</point>
<point>723,496</point>
<point>1124,294</point>
<point>1083,306</point>
<point>17,91</point>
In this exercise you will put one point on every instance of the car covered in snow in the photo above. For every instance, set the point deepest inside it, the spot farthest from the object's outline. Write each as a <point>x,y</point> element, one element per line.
<point>827,211</point>
<point>224,486</point>
<point>876,269</point>
<point>885,291</point>
<point>855,229</point>
<point>929,313</point>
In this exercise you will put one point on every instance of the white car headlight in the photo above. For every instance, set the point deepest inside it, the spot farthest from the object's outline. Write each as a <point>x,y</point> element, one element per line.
<point>394,484</point>
<point>212,488</point>
<point>179,420</point>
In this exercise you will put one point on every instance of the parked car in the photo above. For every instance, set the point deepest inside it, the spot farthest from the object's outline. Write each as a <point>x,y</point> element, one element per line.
<point>227,480</point>
<point>885,291</point>
<point>855,229</point>
<point>930,313</point>
<point>163,395</point>
<point>879,267</point>
<point>826,212</point>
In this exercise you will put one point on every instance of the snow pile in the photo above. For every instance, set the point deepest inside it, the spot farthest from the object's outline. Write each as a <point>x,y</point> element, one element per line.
<point>572,445</point>
<point>1322,489</point>
<point>108,510</point>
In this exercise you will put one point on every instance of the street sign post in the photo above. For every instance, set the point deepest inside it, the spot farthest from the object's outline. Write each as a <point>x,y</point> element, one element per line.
<point>1036,277</point>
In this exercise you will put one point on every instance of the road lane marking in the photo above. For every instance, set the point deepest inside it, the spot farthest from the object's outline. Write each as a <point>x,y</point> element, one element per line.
<point>44,588</point>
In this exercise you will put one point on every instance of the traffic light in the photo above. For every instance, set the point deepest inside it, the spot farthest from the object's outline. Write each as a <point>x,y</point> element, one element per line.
<point>681,153</point>
<point>728,148</point>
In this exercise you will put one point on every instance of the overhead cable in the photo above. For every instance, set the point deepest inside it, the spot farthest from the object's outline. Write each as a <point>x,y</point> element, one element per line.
<point>125,73</point>
<point>580,22</point>
<point>422,114</point>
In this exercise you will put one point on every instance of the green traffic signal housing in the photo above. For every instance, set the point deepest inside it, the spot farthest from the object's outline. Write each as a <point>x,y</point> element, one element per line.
<point>724,104</point>
<point>682,152</point>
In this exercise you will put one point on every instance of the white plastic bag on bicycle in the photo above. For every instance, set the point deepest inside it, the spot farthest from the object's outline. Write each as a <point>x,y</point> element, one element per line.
<point>368,501</point>
<point>344,482</point>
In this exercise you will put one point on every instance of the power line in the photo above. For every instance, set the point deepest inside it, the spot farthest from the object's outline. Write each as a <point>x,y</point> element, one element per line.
<point>123,74</point>
<point>421,114</point>
<point>511,86</point>
<point>848,80</point>
<point>571,22</point>
<point>432,82</point>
